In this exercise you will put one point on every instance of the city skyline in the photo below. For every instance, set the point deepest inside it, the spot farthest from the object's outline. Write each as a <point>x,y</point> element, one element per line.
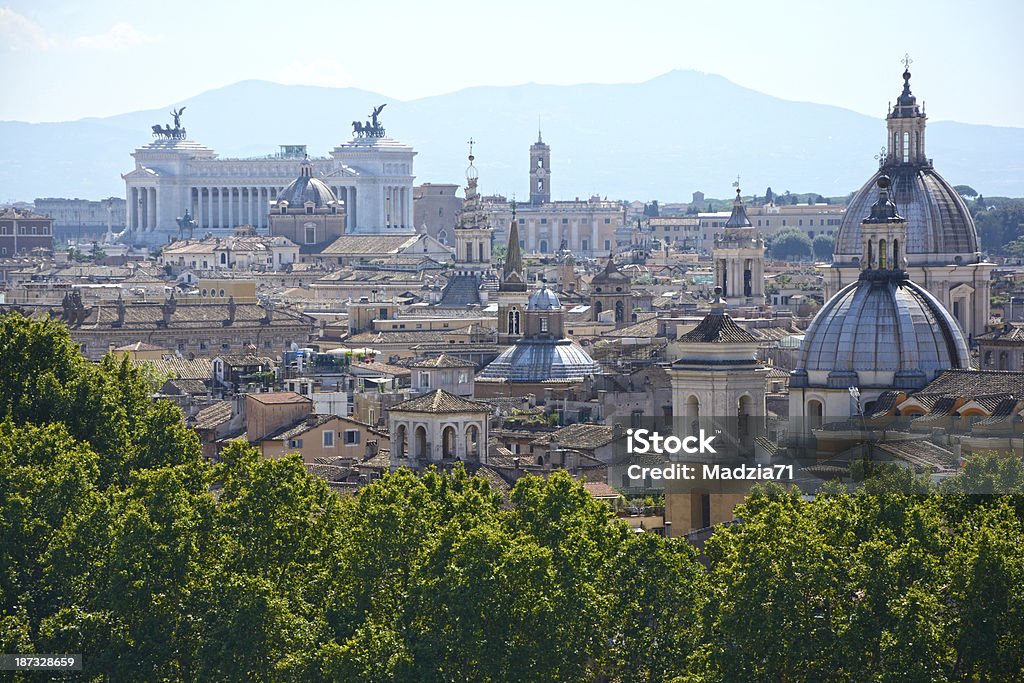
<point>68,62</point>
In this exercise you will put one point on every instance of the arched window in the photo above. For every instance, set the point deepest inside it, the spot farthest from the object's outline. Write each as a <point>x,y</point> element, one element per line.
<point>988,359</point>
<point>543,246</point>
<point>399,444</point>
<point>815,413</point>
<point>420,442</point>
<point>473,441</point>
<point>448,442</point>
<point>513,322</point>
<point>223,258</point>
<point>620,312</point>
<point>882,261</point>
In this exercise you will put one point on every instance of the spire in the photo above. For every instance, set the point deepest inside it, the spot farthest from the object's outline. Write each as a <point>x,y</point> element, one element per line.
<point>513,255</point>
<point>906,103</point>
<point>540,140</point>
<point>471,172</point>
<point>738,219</point>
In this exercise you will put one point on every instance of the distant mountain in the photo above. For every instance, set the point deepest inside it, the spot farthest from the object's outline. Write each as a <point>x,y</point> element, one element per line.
<point>661,139</point>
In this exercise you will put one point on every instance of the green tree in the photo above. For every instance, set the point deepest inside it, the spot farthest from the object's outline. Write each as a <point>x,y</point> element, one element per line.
<point>823,247</point>
<point>790,245</point>
<point>658,592</point>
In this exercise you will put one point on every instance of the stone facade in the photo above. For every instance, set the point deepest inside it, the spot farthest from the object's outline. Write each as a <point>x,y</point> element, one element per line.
<point>22,231</point>
<point>371,176</point>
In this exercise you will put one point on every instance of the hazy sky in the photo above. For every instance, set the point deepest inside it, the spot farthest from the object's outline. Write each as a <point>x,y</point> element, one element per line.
<point>62,60</point>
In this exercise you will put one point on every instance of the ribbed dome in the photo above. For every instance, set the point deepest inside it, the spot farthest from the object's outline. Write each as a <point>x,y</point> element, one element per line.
<point>543,300</point>
<point>306,188</point>
<point>938,221</point>
<point>881,324</point>
<point>537,360</point>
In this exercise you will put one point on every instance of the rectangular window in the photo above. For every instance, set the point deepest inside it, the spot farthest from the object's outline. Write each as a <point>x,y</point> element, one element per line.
<point>585,245</point>
<point>543,221</point>
<point>522,221</point>
<point>607,221</point>
<point>607,245</point>
<point>351,437</point>
<point>565,221</point>
<point>311,234</point>
<point>328,439</point>
<point>424,380</point>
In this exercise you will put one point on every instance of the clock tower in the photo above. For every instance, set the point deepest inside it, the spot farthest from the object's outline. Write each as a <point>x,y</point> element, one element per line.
<point>540,172</point>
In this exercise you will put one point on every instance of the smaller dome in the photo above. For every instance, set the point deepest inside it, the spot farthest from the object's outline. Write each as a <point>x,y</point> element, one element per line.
<point>306,188</point>
<point>543,300</point>
<point>531,360</point>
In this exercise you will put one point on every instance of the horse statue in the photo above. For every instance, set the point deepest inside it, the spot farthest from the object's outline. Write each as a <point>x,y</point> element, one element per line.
<point>357,127</point>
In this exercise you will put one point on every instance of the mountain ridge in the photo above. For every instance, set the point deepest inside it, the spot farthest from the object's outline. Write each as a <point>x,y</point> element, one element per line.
<point>658,139</point>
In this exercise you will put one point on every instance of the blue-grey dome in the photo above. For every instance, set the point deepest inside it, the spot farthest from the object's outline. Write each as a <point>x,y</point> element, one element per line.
<point>880,325</point>
<point>537,360</point>
<point>306,188</point>
<point>939,225</point>
<point>543,300</point>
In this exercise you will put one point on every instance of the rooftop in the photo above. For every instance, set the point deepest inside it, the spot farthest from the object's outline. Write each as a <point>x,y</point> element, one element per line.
<point>440,401</point>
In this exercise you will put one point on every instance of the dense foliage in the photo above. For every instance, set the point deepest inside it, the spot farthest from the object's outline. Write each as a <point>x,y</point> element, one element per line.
<point>1000,224</point>
<point>119,542</point>
<point>790,244</point>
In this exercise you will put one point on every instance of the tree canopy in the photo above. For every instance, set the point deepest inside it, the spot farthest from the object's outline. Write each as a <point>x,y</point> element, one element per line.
<point>790,244</point>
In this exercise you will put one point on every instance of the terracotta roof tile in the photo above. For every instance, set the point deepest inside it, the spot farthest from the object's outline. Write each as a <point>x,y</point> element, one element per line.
<point>440,401</point>
<point>718,328</point>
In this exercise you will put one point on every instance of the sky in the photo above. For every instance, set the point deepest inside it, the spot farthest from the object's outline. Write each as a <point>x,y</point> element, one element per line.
<point>62,60</point>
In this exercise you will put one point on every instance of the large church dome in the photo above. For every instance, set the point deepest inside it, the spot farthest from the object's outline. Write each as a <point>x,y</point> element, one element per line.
<point>883,330</point>
<point>940,230</point>
<point>880,327</point>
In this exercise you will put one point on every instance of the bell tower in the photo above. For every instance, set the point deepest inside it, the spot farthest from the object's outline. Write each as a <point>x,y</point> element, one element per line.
<point>739,257</point>
<point>473,233</point>
<point>540,172</point>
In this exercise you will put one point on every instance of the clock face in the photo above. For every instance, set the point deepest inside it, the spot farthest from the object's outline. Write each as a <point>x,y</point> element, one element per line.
<point>541,172</point>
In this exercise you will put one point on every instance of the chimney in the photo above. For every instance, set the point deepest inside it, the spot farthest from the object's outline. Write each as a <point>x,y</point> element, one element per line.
<point>515,463</point>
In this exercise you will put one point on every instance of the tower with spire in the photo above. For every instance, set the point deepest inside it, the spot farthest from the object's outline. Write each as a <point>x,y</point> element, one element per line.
<point>472,278</point>
<point>512,297</point>
<point>473,233</point>
<point>540,172</point>
<point>739,258</point>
